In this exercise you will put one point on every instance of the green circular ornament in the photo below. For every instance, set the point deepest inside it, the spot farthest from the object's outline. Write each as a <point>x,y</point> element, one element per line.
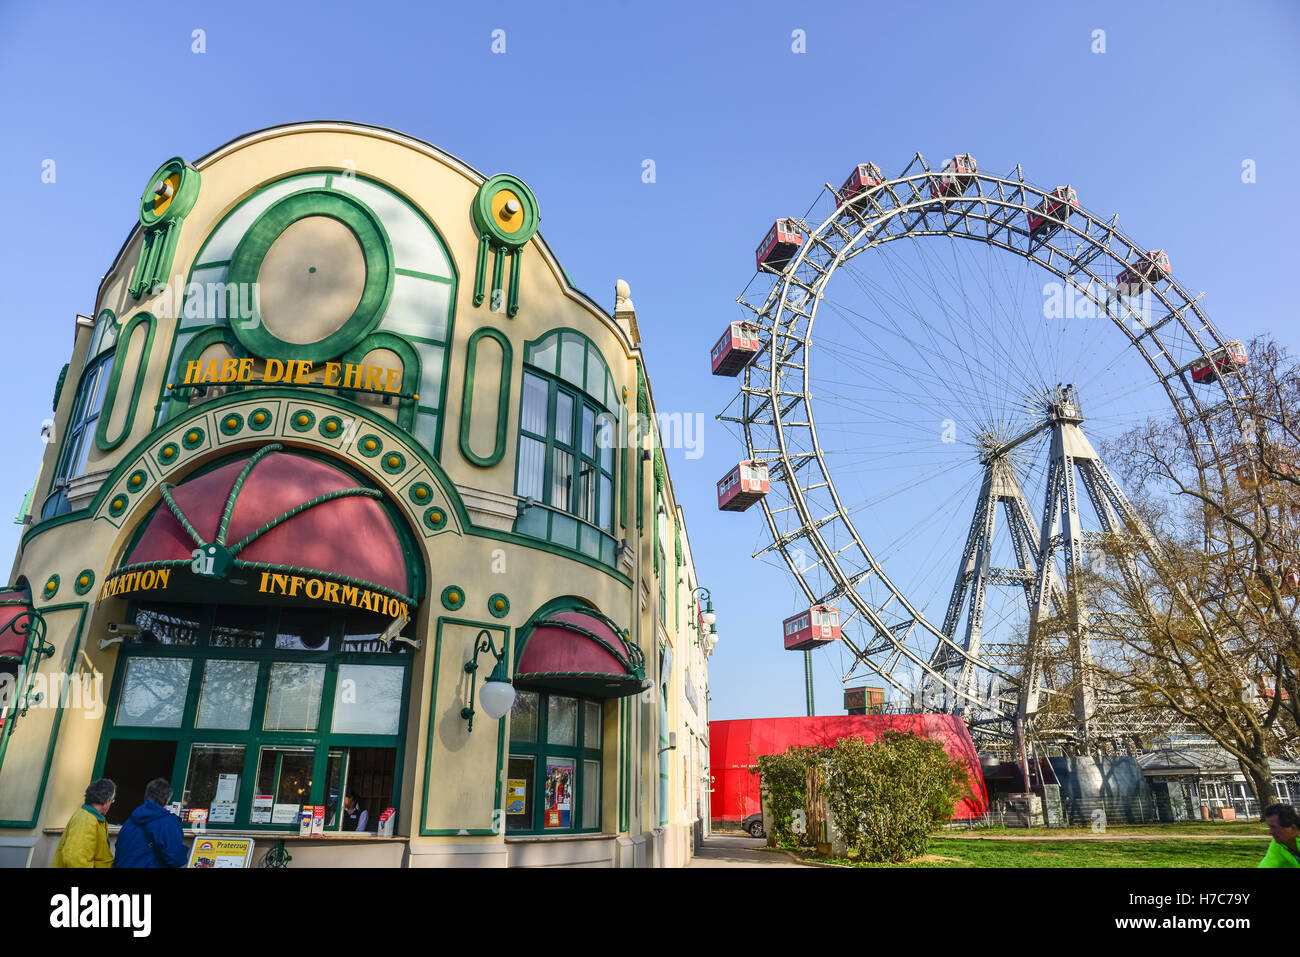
<point>498,605</point>
<point>370,445</point>
<point>51,587</point>
<point>170,193</point>
<point>260,419</point>
<point>138,480</point>
<point>453,597</point>
<point>192,438</point>
<point>377,255</point>
<point>435,518</point>
<point>505,209</point>
<point>394,462</point>
<point>169,454</point>
<point>331,427</point>
<point>302,420</point>
<point>85,581</point>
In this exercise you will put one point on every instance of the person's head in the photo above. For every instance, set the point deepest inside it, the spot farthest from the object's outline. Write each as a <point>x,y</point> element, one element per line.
<point>100,794</point>
<point>350,799</point>
<point>1283,823</point>
<point>159,790</point>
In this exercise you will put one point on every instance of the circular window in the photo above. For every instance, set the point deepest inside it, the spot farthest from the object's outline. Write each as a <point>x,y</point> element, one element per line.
<point>321,264</point>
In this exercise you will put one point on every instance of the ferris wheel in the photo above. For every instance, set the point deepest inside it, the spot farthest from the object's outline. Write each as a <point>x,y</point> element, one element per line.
<point>929,364</point>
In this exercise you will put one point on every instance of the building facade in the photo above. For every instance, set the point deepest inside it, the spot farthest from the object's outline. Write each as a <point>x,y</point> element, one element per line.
<point>339,452</point>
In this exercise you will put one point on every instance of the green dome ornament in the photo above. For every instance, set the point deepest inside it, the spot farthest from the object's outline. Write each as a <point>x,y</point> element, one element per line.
<point>505,212</point>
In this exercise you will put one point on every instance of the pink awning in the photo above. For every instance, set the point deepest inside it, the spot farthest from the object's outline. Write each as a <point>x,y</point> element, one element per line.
<point>580,651</point>
<point>348,537</point>
<point>16,621</point>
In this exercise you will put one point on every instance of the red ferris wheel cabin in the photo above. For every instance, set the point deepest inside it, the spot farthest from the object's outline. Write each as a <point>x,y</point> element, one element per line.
<point>1053,211</point>
<point>955,177</point>
<point>738,345</point>
<point>742,487</point>
<point>1139,275</point>
<point>1228,359</point>
<point>865,176</point>
<point>819,625</point>
<point>778,246</point>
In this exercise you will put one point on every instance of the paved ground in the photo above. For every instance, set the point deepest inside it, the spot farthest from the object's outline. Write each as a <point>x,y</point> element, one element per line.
<point>738,850</point>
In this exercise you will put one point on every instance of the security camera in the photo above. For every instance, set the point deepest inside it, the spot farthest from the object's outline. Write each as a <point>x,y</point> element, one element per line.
<point>390,634</point>
<point>393,628</point>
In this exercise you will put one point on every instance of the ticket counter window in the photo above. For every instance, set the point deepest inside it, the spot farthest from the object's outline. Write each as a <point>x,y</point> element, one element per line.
<point>554,772</point>
<point>132,763</point>
<point>284,774</point>
<point>212,781</point>
<point>250,725</point>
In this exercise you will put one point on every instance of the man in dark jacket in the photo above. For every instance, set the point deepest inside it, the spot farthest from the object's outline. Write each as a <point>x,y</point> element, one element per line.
<point>152,835</point>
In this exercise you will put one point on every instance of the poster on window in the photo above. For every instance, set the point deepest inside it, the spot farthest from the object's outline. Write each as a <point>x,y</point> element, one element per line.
<point>263,808</point>
<point>559,795</point>
<point>516,795</point>
<point>227,787</point>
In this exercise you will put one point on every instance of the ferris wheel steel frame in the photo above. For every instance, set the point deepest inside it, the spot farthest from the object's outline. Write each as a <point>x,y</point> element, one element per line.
<point>803,507</point>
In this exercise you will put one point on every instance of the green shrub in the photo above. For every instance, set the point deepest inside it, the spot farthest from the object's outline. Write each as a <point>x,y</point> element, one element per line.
<point>784,780</point>
<point>888,796</point>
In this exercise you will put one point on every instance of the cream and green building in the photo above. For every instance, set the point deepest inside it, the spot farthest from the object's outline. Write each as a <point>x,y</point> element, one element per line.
<point>339,452</point>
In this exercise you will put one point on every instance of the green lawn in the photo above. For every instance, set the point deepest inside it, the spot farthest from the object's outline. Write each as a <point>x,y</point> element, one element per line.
<point>1241,828</point>
<point>974,852</point>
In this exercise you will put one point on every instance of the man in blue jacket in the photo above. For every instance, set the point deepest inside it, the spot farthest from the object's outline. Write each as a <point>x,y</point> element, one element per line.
<point>152,835</point>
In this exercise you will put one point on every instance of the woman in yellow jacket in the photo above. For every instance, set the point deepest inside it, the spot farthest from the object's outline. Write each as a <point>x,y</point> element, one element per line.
<point>85,839</point>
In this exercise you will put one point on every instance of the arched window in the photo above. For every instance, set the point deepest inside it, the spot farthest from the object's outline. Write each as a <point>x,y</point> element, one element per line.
<point>568,430</point>
<point>79,434</point>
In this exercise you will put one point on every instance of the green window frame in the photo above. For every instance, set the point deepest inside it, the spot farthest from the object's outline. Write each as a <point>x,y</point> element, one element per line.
<point>533,756</point>
<point>203,635</point>
<point>566,468</point>
<point>83,421</point>
<point>661,564</point>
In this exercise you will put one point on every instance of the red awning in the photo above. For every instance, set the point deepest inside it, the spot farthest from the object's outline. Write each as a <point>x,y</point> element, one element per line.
<point>16,623</point>
<point>582,651</point>
<point>283,512</point>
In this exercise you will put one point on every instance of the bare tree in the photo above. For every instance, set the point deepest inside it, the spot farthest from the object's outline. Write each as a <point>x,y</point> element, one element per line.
<point>1199,626</point>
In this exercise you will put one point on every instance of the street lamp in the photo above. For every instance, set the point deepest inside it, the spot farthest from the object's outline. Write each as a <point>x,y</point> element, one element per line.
<point>498,693</point>
<point>707,616</point>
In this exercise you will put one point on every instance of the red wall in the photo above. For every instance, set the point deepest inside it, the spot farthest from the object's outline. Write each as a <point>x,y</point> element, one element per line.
<point>734,745</point>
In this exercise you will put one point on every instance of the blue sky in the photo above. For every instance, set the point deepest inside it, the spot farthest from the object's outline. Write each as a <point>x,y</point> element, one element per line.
<point>741,130</point>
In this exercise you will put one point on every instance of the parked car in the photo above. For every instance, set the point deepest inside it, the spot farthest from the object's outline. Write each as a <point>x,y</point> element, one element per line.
<point>753,826</point>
